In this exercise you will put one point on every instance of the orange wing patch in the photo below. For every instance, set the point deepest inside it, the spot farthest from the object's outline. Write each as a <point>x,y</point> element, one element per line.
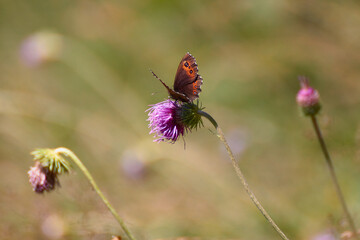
<point>190,68</point>
<point>196,86</point>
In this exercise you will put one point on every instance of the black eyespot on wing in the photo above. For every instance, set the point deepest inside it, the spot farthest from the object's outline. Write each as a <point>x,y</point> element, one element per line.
<point>187,80</point>
<point>186,72</point>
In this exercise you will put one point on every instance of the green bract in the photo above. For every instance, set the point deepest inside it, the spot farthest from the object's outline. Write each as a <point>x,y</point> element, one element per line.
<point>51,160</point>
<point>190,116</point>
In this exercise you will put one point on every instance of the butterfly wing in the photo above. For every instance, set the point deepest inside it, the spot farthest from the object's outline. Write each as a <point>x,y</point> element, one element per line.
<point>187,80</point>
<point>172,93</point>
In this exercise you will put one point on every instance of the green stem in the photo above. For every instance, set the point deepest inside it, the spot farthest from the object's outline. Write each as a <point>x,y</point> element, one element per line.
<point>77,161</point>
<point>242,177</point>
<point>330,165</point>
<point>210,118</point>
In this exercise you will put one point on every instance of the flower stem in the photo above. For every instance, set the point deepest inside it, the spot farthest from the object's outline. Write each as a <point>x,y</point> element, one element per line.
<point>330,165</point>
<point>242,177</point>
<point>77,161</point>
<point>210,118</point>
<point>246,186</point>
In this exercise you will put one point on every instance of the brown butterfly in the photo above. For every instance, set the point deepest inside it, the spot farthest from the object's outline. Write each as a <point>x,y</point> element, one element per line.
<point>187,84</point>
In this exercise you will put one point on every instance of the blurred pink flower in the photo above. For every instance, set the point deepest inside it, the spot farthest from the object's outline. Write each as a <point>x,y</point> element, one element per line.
<point>308,98</point>
<point>42,179</point>
<point>133,165</point>
<point>327,235</point>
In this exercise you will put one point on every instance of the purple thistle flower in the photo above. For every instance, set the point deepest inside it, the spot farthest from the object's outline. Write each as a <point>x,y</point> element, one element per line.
<point>308,98</point>
<point>170,119</point>
<point>165,121</point>
<point>42,179</point>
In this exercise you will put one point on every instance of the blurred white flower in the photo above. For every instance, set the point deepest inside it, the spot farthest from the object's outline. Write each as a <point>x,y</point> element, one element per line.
<point>53,227</point>
<point>132,165</point>
<point>41,47</point>
<point>324,236</point>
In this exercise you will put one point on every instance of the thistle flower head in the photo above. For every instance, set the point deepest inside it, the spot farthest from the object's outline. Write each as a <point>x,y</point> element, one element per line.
<point>42,179</point>
<point>48,165</point>
<point>170,119</point>
<point>308,98</point>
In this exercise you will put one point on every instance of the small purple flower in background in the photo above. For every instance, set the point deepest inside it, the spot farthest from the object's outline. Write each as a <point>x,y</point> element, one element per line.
<point>52,162</point>
<point>42,179</point>
<point>170,119</point>
<point>133,165</point>
<point>324,236</point>
<point>308,98</point>
<point>41,47</point>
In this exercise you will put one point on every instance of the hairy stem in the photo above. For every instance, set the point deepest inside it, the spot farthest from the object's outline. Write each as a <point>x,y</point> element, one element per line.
<point>66,152</point>
<point>242,177</point>
<point>330,166</point>
<point>246,186</point>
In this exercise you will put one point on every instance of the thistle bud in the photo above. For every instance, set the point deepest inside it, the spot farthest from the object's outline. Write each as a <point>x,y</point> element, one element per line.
<point>190,116</point>
<point>308,98</point>
<point>51,159</point>
<point>48,165</point>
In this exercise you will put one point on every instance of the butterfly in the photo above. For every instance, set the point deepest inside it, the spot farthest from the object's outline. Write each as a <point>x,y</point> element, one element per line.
<point>187,84</point>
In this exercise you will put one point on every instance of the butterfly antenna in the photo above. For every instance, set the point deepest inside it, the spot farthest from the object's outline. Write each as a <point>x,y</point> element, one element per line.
<point>159,80</point>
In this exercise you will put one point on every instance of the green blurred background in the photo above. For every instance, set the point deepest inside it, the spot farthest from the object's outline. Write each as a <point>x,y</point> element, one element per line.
<point>91,85</point>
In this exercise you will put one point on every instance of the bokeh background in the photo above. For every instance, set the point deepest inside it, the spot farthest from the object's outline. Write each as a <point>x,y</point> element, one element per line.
<point>76,74</point>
